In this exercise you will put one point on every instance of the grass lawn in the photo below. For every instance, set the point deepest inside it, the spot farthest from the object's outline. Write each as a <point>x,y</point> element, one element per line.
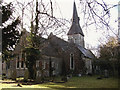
<point>74,82</point>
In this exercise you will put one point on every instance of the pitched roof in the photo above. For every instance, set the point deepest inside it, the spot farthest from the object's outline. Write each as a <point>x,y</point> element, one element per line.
<point>22,42</point>
<point>55,46</point>
<point>75,27</point>
<point>86,52</point>
<point>58,41</point>
<point>55,42</point>
<point>49,50</point>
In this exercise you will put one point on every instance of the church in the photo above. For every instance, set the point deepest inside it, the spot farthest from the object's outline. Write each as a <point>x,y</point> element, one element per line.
<point>65,57</point>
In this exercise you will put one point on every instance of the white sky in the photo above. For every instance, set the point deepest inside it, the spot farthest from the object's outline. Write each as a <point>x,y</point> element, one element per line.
<point>91,36</point>
<point>66,8</point>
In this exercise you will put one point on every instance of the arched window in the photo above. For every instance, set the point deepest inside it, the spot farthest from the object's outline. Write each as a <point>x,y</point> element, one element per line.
<point>17,62</point>
<point>22,64</point>
<point>71,61</point>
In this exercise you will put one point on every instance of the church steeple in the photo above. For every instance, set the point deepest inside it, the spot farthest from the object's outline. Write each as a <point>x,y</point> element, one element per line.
<point>75,27</point>
<point>75,18</point>
<point>75,34</point>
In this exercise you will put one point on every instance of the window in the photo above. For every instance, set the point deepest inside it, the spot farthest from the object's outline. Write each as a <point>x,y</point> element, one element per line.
<point>71,61</point>
<point>37,63</point>
<point>22,64</point>
<point>18,64</point>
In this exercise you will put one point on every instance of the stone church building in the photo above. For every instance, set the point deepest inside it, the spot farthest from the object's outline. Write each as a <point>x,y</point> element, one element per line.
<point>65,57</point>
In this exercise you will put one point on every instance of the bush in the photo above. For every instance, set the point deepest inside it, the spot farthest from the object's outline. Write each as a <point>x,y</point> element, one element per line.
<point>26,75</point>
<point>14,75</point>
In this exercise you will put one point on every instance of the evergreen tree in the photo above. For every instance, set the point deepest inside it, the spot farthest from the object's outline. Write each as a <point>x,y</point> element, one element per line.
<point>32,50</point>
<point>10,33</point>
<point>109,56</point>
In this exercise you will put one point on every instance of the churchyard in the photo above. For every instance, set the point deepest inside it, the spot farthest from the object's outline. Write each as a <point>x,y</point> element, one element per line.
<point>74,82</point>
<point>38,61</point>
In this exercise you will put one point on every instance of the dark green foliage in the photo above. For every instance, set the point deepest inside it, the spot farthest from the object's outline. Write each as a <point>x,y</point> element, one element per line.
<point>6,12</point>
<point>32,51</point>
<point>104,64</point>
<point>109,57</point>
<point>10,34</point>
<point>110,49</point>
<point>32,55</point>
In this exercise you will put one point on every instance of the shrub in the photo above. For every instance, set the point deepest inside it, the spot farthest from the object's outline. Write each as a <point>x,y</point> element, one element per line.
<point>14,75</point>
<point>26,75</point>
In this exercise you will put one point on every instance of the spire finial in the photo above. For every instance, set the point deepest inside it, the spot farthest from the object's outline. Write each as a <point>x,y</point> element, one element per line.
<point>75,15</point>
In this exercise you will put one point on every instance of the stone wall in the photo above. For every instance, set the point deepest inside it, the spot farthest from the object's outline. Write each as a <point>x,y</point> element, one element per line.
<point>78,61</point>
<point>43,66</point>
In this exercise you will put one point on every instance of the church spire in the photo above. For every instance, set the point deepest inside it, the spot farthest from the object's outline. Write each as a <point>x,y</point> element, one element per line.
<point>75,18</point>
<point>75,27</point>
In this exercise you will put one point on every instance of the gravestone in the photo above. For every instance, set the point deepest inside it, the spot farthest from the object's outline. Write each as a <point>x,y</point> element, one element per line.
<point>106,73</point>
<point>79,75</point>
<point>38,77</point>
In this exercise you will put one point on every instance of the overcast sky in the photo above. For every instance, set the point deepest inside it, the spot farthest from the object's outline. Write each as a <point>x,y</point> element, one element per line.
<point>65,10</point>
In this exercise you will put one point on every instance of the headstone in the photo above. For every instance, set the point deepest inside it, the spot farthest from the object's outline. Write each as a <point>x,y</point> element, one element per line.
<point>106,73</point>
<point>38,77</point>
<point>79,75</point>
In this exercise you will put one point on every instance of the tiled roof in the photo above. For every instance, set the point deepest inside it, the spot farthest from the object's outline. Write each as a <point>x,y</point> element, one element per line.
<point>86,52</point>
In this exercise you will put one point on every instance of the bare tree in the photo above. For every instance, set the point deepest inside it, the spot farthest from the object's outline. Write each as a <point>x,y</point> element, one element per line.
<point>97,13</point>
<point>43,16</point>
